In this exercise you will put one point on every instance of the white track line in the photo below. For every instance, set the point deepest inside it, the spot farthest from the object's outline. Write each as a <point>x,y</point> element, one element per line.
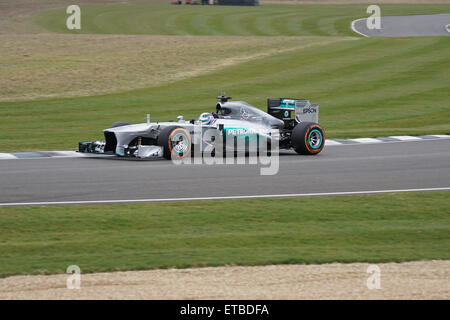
<point>332,143</point>
<point>440,135</point>
<point>68,153</point>
<point>352,25</point>
<point>365,140</point>
<point>406,138</point>
<point>7,156</point>
<point>49,203</point>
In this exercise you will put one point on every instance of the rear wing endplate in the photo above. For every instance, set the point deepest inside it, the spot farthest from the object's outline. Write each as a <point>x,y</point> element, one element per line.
<point>299,109</point>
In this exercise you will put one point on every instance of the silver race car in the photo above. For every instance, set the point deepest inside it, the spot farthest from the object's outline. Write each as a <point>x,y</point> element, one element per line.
<point>235,124</point>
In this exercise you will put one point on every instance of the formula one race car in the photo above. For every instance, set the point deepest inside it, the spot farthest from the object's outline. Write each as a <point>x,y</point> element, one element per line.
<point>293,122</point>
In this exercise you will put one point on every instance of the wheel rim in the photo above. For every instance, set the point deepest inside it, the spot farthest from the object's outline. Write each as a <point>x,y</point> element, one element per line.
<point>180,143</point>
<point>315,139</point>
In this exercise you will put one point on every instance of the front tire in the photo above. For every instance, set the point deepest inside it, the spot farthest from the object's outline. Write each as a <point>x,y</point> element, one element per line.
<point>176,142</point>
<point>308,138</point>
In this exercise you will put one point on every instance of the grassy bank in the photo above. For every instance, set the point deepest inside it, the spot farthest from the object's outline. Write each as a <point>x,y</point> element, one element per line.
<point>366,87</point>
<point>60,65</point>
<point>264,20</point>
<point>376,228</point>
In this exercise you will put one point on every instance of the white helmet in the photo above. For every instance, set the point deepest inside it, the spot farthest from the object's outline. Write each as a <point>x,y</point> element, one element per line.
<point>206,118</point>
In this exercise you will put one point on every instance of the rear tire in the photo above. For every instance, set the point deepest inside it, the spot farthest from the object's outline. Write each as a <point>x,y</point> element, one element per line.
<point>308,138</point>
<point>176,142</point>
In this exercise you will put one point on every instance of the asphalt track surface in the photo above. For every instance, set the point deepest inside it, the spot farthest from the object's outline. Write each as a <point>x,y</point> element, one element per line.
<point>406,26</point>
<point>344,168</point>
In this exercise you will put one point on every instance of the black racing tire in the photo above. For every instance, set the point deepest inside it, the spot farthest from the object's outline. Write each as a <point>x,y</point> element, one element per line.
<point>119,124</point>
<point>165,140</point>
<point>308,138</point>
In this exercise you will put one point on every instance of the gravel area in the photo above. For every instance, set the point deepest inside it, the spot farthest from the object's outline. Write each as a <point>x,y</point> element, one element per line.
<point>410,280</point>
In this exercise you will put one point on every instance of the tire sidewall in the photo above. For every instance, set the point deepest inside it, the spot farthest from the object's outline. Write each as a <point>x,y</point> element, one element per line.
<point>300,138</point>
<point>165,140</point>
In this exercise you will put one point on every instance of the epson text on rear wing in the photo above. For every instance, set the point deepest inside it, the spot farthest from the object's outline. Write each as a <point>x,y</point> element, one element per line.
<point>293,111</point>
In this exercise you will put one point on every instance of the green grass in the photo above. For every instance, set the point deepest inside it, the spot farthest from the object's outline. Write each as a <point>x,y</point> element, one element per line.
<point>365,87</point>
<point>264,20</point>
<point>376,228</point>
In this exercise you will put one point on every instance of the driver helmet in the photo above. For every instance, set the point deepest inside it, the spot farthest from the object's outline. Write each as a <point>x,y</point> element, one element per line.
<point>206,118</point>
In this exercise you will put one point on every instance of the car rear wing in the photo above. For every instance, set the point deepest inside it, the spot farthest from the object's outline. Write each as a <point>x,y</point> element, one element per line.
<point>299,110</point>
